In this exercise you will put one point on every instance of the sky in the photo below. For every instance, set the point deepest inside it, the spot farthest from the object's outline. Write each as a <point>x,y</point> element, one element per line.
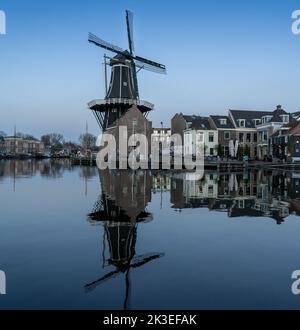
<point>220,55</point>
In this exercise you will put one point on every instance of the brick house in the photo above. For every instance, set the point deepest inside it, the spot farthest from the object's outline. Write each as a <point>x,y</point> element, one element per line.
<point>226,133</point>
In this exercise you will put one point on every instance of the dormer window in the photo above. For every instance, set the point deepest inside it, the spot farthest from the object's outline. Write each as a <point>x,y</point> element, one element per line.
<point>266,119</point>
<point>257,122</point>
<point>223,121</point>
<point>285,118</point>
<point>242,122</point>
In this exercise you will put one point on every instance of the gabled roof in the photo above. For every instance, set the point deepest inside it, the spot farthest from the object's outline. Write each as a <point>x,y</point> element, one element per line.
<point>202,123</point>
<point>190,118</point>
<point>216,120</point>
<point>198,122</point>
<point>249,116</point>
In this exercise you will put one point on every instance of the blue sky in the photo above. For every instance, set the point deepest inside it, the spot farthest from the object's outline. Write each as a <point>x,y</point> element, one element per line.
<point>219,54</point>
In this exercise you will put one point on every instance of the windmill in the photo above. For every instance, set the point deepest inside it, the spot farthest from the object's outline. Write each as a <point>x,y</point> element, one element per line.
<point>123,90</point>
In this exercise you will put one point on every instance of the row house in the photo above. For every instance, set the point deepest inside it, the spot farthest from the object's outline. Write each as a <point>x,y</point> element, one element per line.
<point>246,123</point>
<point>195,131</point>
<point>201,138</point>
<point>285,143</point>
<point>226,133</point>
<point>271,123</point>
<point>240,133</point>
<point>254,130</point>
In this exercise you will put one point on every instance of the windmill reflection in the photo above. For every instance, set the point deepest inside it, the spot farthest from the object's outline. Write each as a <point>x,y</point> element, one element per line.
<point>120,209</point>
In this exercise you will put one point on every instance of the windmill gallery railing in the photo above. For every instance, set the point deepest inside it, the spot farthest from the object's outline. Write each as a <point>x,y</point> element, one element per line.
<point>115,101</point>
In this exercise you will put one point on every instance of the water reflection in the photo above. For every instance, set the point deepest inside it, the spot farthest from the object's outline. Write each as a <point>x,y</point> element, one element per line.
<point>250,194</point>
<point>50,168</point>
<point>120,208</point>
<point>135,234</point>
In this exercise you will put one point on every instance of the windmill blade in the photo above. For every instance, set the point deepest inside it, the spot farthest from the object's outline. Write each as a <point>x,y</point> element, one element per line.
<point>144,259</point>
<point>91,286</point>
<point>150,65</point>
<point>129,23</point>
<point>103,44</point>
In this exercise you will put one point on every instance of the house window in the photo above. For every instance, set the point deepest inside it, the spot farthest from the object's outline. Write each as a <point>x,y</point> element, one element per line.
<point>211,137</point>
<point>223,121</point>
<point>255,137</point>
<point>200,137</point>
<point>241,137</point>
<point>211,151</point>
<point>227,135</point>
<point>285,118</point>
<point>248,138</point>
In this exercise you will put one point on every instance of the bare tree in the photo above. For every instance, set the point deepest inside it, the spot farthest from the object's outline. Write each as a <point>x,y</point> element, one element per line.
<point>53,140</point>
<point>88,141</point>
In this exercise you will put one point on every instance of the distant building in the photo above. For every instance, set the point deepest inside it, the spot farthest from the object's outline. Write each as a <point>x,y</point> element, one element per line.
<point>19,146</point>
<point>2,145</point>
<point>162,135</point>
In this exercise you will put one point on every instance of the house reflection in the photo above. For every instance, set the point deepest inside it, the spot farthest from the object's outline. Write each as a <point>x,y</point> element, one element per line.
<point>120,208</point>
<point>261,193</point>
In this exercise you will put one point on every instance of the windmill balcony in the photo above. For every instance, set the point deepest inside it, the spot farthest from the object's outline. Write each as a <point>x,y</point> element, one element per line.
<point>99,105</point>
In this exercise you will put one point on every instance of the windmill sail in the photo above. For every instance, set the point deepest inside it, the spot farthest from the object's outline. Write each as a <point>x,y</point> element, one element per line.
<point>129,22</point>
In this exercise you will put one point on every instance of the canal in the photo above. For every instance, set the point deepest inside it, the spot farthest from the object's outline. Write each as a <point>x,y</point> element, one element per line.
<point>72,237</point>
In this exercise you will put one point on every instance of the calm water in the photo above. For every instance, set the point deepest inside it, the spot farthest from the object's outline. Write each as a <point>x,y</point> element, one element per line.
<point>71,238</point>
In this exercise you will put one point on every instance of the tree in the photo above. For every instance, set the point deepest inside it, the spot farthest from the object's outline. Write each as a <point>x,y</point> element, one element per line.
<point>88,141</point>
<point>54,140</point>
<point>46,140</point>
<point>2,134</point>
